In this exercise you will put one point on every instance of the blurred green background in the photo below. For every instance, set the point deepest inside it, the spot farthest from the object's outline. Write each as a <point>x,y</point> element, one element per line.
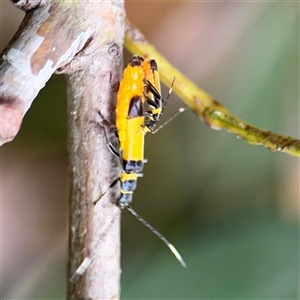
<point>231,209</point>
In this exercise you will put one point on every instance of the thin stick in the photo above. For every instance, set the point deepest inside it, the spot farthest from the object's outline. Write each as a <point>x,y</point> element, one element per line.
<point>203,104</point>
<point>92,169</point>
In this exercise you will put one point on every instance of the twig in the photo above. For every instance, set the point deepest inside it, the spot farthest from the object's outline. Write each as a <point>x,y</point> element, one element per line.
<point>207,109</point>
<point>85,40</point>
<point>92,170</point>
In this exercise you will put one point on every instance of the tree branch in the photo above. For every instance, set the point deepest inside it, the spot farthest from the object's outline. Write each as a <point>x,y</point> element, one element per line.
<point>85,40</point>
<point>204,105</point>
<point>94,228</point>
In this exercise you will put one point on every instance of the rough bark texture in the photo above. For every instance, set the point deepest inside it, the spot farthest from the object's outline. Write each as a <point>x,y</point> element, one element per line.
<point>94,228</point>
<point>83,39</point>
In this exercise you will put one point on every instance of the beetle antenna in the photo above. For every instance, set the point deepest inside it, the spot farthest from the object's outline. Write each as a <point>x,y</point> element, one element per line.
<point>159,235</point>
